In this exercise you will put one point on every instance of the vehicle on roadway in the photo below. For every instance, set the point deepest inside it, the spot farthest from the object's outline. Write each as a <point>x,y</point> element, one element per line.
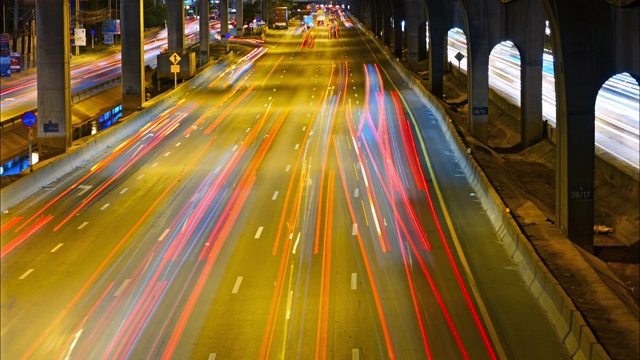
<point>281,17</point>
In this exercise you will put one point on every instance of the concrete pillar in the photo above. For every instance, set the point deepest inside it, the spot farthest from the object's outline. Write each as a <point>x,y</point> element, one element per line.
<point>387,14</point>
<point>478,37</point>
<point>132,28</point>
<point>175,26</point>
<point>265,11</point>
<point>54,86</point>
<point>398,18</point>
<point>414,19</point>
<point>422,39</point>
<point>239,18</point>
<point>204,33</point>
<point>224,18</point>
<point>439,16</point>
<point>584,60</point>
<point>531,95</point>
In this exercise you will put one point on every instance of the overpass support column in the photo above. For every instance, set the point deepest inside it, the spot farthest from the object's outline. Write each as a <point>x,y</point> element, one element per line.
<point>398,18</point>
<point>224,18</point>
<point>438,16</point>
<point>386,22</point>
<point>54,87</point>
<point>531,73</point>
<point>133,91</point>
<point>414,24</point>
<point>175,26</point>
<point>239,18</point>
<point>205,33</point>
<point>478,90</point>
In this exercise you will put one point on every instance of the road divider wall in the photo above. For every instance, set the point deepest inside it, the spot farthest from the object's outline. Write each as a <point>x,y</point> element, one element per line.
<point>50,171</point>
<point>560,309</point>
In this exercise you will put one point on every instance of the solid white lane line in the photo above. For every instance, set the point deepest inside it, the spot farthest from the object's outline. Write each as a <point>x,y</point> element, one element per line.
<point>83,225</point>
<point>236,287</point>
<point>355,354</point>
<point>163,235</point>
<point>356,193</point>
<point>124,190</point>
<point>57,247</point>
<point>354,231</point>
<point>167,153</point>
<point>288,167</point>
<point>26,274</point>
<point>140,177</point>
<point>122,286</point>
<point>104,206</point>
<point>275,195</point>
<point>84,189</point>
<point>297,146</point>
<point>258,232</point>
<point>354,281</point>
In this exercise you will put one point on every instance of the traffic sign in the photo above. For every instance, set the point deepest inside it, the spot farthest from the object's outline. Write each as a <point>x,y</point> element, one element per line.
<point>175,59</point>
<point>29,119</point>
<point>227,35</point>
<point>175,68</point>
<point>459,56</point>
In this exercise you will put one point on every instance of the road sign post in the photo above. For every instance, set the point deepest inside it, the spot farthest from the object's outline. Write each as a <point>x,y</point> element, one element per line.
<point>459,57</point>
<point>29,119</point>
<point>175,68</point>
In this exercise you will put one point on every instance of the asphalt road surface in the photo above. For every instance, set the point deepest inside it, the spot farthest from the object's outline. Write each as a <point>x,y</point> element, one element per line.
<point>300,205</point>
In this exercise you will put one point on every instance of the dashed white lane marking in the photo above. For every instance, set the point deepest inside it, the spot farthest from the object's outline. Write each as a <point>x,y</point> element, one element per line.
<point>258,116</point>
<point>57,247</point>
<point>167,153</point>
<point>122,286</point>
<point>258,232</point>
<point>354,281</point>
<point>356,192</point>
<point>104,206</point>
<point>124,190</point>
<point>212,356</point>
<point>84,189</point>
<point>163,235</point>
<point>140,177</point>
<point>297,146</point>
<point>248,129</point>
<point>355,354</point>
<point>178,144</point>
<point>154,165</point>
<point>83,225</point>
<point>275,195</point>
<point>26,274</point>
<point>236,287</point>
<point>304,128</point>
<point>288,167</point>
<point>354,230</point>
<point>234,148</point>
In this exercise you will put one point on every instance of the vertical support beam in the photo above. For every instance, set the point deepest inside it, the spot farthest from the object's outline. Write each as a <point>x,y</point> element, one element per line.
<point>205,34</point>
<point>477,28</point>
<point>132,28</point>
<point>224,18</point>
<point>387,14</point>
<point>239,18</point>
<point>54,86</point>
<point>422,39</point>
<point>531,94</point>
<point>398,18</point>
<point>175,26</point>
<point>265,11</point>
<point>414,20</point>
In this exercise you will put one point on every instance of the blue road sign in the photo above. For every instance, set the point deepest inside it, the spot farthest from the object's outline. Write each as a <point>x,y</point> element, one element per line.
<point>29,119</point>
<point>227,35</point>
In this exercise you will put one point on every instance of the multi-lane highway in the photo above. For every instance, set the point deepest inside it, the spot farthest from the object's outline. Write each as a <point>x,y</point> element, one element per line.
<point>617,106</point>
<point>301,204</point>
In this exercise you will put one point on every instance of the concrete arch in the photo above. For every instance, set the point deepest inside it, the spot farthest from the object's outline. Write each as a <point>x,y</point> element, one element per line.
<point>600,54</point>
